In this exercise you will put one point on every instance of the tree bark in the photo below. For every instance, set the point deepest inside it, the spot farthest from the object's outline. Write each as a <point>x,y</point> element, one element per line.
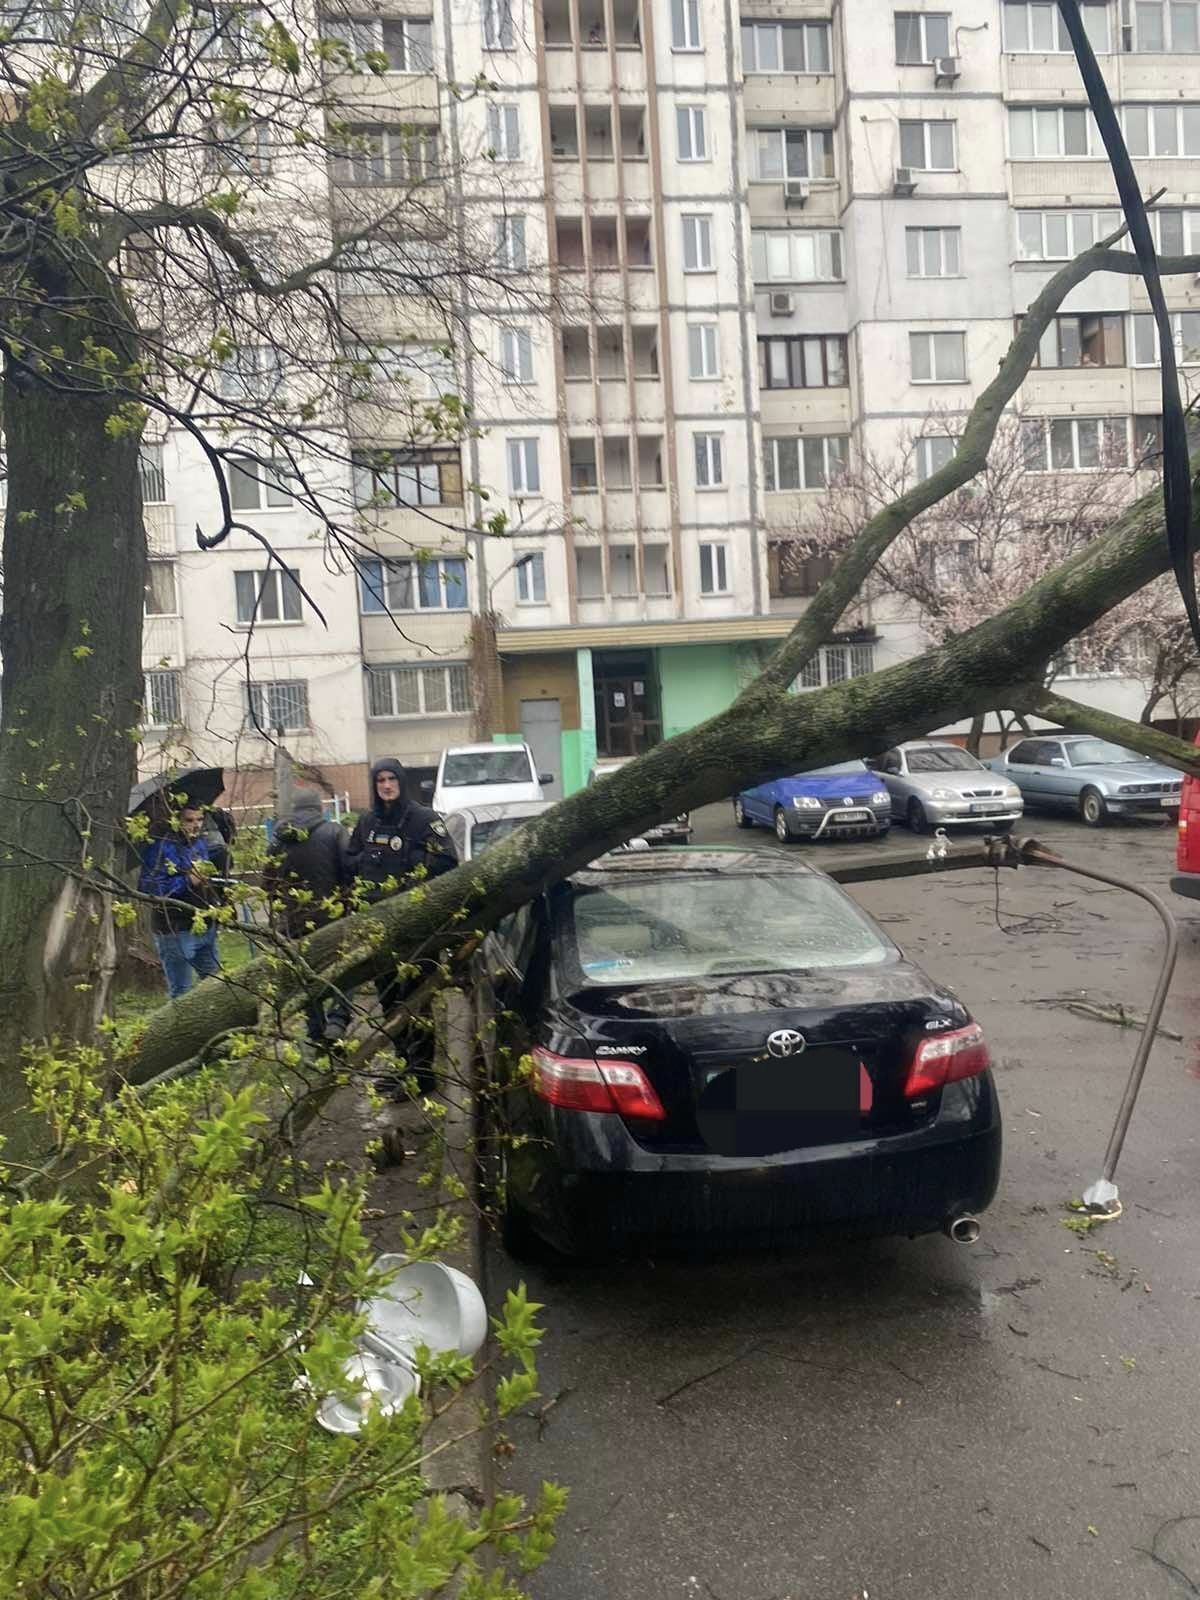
<point>975,735</point>
<point>74,577</point>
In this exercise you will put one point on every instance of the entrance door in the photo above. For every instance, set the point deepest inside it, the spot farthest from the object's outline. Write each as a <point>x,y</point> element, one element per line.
<point>541,729</point>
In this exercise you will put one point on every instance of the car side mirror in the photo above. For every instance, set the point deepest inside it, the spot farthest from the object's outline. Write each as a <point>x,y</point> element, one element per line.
<point>871,763</point>
<point>426,787</point>
<point>1057,761</point>
<point>545,777</point>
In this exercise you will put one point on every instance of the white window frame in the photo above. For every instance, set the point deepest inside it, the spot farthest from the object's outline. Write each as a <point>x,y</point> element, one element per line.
<point>761,29</point>
<point>1038,14</point>
<point>926,453</point>
<point>397,576</point>
<point>922,19</point>
<point>768,247</point>
<point>454,676</point>
<point>623,563</point>
<point>836,663</point>
<point>691,133</point>
<point>524,467</point>
<point>1164,43</point>
<point>499,25</point>
<point>927,339</point>
<point>1077,234</point>
<point>289,690</point>
<point>652,554</point>
<point>152,472</point>
<point>697,241</point>
<point>529,578</point>
<point>161,564</point>
<point>158,685</point>
<point>834,453</point>
<point>1047,133</point>
<point>266,479</point>
<point>685,25</point>
<point>365,36</point>
<point>250,374</point>
<point>1185,118</point>
<point>708,455</point>
<point>589,572</point>
<point>714,567</point>
<point>516,355</point>
<point>937,252</point>
<point>1105,426</point>
<point>926,124</point>
<point>272,580</point>
<point>704,350</point>
<point>1189,230</point>
<point>504,130</point>
<point>762,140</point>
<point>512,254</point>
<point>1144,323</point>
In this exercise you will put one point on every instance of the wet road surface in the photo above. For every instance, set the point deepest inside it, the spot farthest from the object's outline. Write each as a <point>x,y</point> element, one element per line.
<point>917,1420</point>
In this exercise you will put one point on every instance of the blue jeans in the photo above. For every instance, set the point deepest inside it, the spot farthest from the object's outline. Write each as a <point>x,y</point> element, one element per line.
<point>186,955</point>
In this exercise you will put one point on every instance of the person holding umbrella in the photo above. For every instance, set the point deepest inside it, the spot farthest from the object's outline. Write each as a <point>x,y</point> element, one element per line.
<point>175,869</point>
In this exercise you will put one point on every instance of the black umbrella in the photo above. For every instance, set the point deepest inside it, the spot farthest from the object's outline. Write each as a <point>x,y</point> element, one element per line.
<point>199,786</point>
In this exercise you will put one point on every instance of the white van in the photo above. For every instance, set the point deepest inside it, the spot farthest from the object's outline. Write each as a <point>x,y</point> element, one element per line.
<point>486,775</point>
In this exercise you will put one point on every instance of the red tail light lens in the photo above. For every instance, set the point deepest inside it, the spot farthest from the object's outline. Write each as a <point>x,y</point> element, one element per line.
<point>619,1088</point>
<point>946,1057</point>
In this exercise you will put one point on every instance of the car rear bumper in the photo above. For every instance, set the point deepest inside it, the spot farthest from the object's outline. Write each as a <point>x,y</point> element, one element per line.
<point>605,1192</point>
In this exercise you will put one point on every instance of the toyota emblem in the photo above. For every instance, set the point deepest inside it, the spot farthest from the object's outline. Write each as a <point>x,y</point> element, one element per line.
<point>785,1042</point>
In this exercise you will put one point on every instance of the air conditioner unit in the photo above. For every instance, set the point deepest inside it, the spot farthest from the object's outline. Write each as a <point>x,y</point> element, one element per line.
<point>946,69</point>
<point>795,192</point>
<point>782,303</point>
<point>903,183</point>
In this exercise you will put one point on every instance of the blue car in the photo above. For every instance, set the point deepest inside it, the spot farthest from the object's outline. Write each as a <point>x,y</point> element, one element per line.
<point>842,802</point>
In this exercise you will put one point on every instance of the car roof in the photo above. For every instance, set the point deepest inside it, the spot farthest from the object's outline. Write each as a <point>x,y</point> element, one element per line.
<point>484,744</point>
<point>503,808</point>
<point>672,861</point>
<point>929,744</point>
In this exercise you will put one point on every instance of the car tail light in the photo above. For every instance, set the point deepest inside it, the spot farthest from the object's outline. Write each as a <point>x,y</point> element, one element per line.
<point>944,1058</point>
<point>619,1088</point>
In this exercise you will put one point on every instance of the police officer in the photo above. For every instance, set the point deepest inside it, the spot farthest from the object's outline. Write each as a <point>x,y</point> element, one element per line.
<point>391,842</point>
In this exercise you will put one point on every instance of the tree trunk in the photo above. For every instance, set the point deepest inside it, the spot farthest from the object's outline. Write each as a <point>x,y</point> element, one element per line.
<point>71,632</point>
<point>975,733</point>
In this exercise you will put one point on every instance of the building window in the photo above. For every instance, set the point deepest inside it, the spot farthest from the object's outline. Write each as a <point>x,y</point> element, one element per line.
<point>927,146</point>
<point>418,691</point>
<point>1176,233</point>
<point>703,355</point>
<point>228,32</point>
<point>432,585</point>
<point>252,372</point>
<point>785,47</point>
<point>258,485</point>
<point>692,133</point>
<point>697,244</point>
<point>932,453</point>
<point>622,571</point>
<point>162,703</point>
<point>524,471</point>
<point>1061,235</point>
<point>504,132</point>
<point>530,573</point>
<point>279,707</point>
<point>161,599</point>
<point>240,152</point>
<point>796,255</point>
<point>1083,341</point>
<point>589,572</point>
<point>516,355</point>
<point>937,357</point>
<point>1075,444</point>
<point>498,30</point>
<point>792,153</point>
<point>511,254</point>
<point>1147,438</point>
<point>386,478</point>
<point>794,571</point>
<point>685,24</point>
<point>811,462</point>
<point>933,252</point>
<point>1161,130</point>
<point>803,361</point>
<point>1185,332</point>
<point>1165,29</point>
<point>1040,133</point>
<point>270,596</point>
<point>710,465</point>
<point>375,156</point>
<point>1037,26</point>
<point>834,663</point>
<point>404,43</point>
<point>921,36</point>
<point>153,475</point>
<point>656,571</point>
<point>714,569</point>
<point>401,370</point>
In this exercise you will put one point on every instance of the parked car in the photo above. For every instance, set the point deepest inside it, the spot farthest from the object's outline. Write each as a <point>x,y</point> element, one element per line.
<point>473,828</point>
<point>676,830</point>
<point>845,801</point>
<point>485,774</point>
<point>1186,880</point>
<point>934,784</point>
<point>1095,779</point>
<point>725,1046</point>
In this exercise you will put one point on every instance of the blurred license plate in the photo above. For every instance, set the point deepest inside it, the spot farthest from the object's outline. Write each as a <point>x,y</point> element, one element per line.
<point>988,808</point>
<point>849,816</point>
<point>1169,800</point>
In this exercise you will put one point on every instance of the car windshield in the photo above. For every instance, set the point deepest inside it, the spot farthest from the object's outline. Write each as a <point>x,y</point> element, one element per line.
<point>486,833</point>
<point>840,766</point>
<point>1098,752</point>
<point>942,758</point>
<point>691,926</point>
<point>465,767</point>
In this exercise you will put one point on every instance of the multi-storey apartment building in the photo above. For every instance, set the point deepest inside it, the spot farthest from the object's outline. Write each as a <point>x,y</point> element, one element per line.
<point>758,248</point>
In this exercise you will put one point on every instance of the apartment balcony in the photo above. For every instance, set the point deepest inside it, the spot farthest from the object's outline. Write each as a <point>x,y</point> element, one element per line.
<point>599,610</point>
<point>403,529</point>
<point>420,636</point>
<point>1152,77</point>
<point>606,184</point>
<point>162,642</point>
<point>613,396</point>
<point>1049,78</point>
<point>412,94</point>
<point>789,411</point>
<point>1074,182</point>
<point>617,509</point>
<point>769,204</point>
<point>796,98</point>
<point>595,76</point>
<point>1080,391</point>
<point>159,521</point>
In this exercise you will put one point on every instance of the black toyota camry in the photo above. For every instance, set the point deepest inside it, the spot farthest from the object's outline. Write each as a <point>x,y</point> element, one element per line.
<point>720,1045</point>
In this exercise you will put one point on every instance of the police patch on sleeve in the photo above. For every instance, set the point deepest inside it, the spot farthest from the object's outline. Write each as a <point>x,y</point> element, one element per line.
<point>439,827</point>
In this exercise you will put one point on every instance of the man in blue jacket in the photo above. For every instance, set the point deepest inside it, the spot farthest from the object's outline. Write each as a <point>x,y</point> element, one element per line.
<point>175,869</point>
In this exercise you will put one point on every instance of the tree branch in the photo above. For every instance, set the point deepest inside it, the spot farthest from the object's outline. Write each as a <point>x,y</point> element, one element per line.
<point>1089,719</point>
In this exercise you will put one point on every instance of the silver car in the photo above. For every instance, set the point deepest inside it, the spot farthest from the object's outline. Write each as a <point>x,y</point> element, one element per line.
<point>1091,777</point>
<point>934,785</point>
<point>475,827</point>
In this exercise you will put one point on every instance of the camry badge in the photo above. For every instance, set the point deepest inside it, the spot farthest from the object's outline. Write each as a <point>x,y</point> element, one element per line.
<point>785,1042</point>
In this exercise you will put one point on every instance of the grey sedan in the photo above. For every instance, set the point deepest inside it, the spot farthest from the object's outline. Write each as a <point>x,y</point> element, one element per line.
<point>1095,779</point>
<point>934,784</point>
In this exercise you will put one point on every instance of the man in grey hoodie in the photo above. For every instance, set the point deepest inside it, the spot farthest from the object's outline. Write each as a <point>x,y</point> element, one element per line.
<point>306,882</point>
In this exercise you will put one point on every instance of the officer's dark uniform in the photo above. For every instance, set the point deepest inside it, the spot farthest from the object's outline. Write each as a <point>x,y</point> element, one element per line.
<point>393,840</point>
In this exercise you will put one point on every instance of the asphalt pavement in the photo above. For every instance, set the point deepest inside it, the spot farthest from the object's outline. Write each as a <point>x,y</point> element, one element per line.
<point>919,1420</point>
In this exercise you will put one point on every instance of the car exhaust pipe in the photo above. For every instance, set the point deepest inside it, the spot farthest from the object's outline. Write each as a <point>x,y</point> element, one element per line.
<point>963,1230</point>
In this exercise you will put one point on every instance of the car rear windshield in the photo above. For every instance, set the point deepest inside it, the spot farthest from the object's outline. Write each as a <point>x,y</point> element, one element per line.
<point>465,767</point>
<point>692,926</point>
<point>942,759</point>
<point>485,833</point>
<point>1099,753</point>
